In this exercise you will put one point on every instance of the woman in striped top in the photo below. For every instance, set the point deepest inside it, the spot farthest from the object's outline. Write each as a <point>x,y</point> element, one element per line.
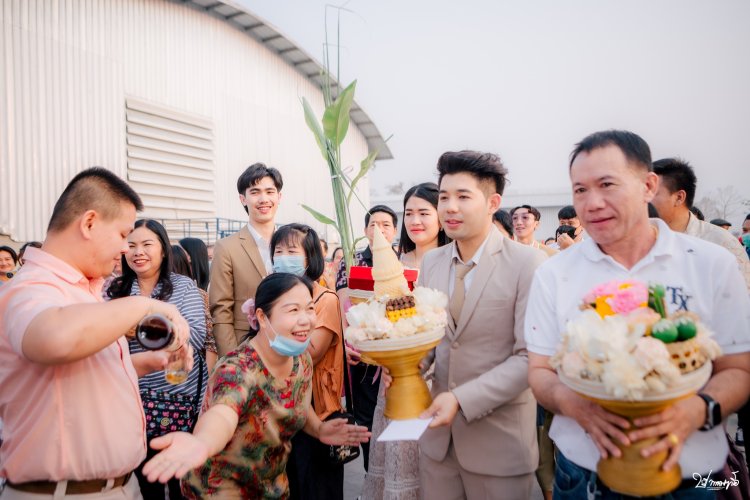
<point>146,270</point>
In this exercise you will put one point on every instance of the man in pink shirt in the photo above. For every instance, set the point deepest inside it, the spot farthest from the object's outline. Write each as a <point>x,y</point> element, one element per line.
<point>69,401</point>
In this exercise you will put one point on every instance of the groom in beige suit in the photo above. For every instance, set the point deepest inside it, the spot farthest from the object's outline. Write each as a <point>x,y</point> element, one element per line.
<point>243,259</point>
<point>482,441</point>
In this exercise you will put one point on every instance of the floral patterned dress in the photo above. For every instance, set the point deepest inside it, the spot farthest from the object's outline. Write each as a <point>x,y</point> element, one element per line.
<point>270,412</point>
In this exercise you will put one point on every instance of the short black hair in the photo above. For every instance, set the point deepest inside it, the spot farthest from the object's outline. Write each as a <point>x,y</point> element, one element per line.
<point>254,173</point>
<point>533,211</point>
<point>634,148</point>
<point>698,213</point>
<point>677,174</point>
<point>308,239</point>
<point>12,253</point>
<point>97,189</point>
<point>503,217</point>
<point>123,284</point>
<point>381,208</point>
<point>567,212</point>
<point>427,191</point>
<point>485,167</point>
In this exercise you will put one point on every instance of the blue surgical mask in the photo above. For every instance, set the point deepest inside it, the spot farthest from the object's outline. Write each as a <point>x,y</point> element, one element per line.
<point>285,346</point>
<point>292,264</point>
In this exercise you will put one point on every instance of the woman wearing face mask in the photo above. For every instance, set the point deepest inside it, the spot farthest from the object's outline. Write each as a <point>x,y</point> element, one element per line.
<point>394,465</point>
<point>295,249</point>
<point>258,397</point>
<point>147,269</point>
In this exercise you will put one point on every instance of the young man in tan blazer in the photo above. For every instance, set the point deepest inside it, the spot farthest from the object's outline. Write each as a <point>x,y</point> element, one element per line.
<point>243,259</point>
<point>482,441</point>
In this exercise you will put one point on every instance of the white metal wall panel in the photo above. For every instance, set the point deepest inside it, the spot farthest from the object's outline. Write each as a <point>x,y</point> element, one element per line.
<point>68,67</point>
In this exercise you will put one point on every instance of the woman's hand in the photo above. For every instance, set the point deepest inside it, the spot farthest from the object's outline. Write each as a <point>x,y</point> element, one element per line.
<point>184,354</point>
<point>149,362</point>
<point>339,432</point>
<point>181,453</point>
<point>352,355</point>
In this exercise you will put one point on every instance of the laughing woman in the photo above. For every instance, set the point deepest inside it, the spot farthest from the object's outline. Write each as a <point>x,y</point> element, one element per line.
<point>258,398</point>
<point>295,248</point>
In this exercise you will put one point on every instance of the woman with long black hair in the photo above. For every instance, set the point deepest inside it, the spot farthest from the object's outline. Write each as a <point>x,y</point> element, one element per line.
<point>147,271</point>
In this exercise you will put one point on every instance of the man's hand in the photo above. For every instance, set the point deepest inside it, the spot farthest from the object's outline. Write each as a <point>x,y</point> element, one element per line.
<point>180,326</point>
<point>672,426</point>
<point>603,427</point>
<point>443,409</point>
<point>564,241</point>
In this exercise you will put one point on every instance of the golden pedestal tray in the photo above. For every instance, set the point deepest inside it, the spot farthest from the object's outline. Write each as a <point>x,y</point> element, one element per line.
<point>632,474</point>
<point>408,395</point>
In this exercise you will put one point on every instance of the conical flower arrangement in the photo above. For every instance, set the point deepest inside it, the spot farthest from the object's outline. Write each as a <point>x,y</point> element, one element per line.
<point>387,271</point>
<point>396,328</point>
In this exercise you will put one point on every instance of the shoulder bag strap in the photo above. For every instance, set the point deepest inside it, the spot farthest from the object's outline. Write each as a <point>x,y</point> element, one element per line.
<point>200,382</point>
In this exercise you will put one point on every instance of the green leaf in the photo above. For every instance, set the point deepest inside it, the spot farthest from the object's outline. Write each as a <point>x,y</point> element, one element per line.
<point>336,116</point>
<point>312,123</point>
<point>319,216</point>
<point>364,167</point>
<point>354,245</point>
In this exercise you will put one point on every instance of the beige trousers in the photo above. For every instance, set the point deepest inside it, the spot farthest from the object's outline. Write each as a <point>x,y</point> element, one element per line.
<point>128,491</point>
<point>447,480</point>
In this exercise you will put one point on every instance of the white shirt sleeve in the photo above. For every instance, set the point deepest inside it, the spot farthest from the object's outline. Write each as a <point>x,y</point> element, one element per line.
<point>542,331</point>
<point>730,318</point>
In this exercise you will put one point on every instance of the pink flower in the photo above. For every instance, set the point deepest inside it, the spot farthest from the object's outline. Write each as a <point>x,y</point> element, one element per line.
<point>629,297</point>
<point>622,297</point>
<point>248,307</point>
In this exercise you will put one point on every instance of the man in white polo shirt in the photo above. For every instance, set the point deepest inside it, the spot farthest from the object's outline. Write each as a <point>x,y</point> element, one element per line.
<point>613,182</point>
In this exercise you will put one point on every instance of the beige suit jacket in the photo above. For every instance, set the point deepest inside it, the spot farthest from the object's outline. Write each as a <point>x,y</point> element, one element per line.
<point>483,361</point>
<point>236,271</point>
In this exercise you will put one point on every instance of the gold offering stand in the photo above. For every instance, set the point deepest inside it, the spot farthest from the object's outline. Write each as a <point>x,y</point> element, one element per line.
<point>408,395</point>
<point>631,474</point>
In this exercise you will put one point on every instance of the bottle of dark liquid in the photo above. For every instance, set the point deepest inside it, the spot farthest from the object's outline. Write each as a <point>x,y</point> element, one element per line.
<point>154,332</point>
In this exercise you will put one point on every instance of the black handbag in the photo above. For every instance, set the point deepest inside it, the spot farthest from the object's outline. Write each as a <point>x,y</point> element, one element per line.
<point>339,454</point>
<point>166,412</point>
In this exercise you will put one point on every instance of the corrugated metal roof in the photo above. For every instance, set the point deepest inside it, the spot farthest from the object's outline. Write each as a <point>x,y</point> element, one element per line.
<point>240,18</point>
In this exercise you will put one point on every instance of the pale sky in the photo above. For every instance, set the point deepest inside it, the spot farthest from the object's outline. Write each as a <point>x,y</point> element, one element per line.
<point>528,79</point>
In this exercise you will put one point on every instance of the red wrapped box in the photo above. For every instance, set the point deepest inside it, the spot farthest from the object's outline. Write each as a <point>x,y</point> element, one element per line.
<point>360,278</point>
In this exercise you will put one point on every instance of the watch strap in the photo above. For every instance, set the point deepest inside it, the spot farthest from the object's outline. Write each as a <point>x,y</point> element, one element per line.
<point>713,412</point>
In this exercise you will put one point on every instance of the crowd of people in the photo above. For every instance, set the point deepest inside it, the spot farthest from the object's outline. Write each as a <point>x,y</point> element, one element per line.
<point>258,321</point>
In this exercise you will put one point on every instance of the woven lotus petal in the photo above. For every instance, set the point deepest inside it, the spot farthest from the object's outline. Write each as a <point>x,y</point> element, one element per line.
<point>387,271</point>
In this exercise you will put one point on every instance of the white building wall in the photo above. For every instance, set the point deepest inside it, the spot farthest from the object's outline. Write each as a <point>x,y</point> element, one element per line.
<point>68,65</point>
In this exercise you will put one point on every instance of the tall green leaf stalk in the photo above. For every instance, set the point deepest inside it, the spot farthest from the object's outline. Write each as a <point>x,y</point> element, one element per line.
<point>329,134</point>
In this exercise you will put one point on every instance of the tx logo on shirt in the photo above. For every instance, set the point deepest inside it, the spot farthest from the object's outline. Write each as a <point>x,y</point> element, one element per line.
<point>678,297</point>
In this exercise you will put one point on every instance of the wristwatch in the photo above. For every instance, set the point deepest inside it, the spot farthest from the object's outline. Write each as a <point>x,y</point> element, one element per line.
<point>713,412</point>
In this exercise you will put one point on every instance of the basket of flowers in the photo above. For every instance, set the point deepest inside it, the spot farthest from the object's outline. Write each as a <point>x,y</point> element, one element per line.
<point>633,358</point>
